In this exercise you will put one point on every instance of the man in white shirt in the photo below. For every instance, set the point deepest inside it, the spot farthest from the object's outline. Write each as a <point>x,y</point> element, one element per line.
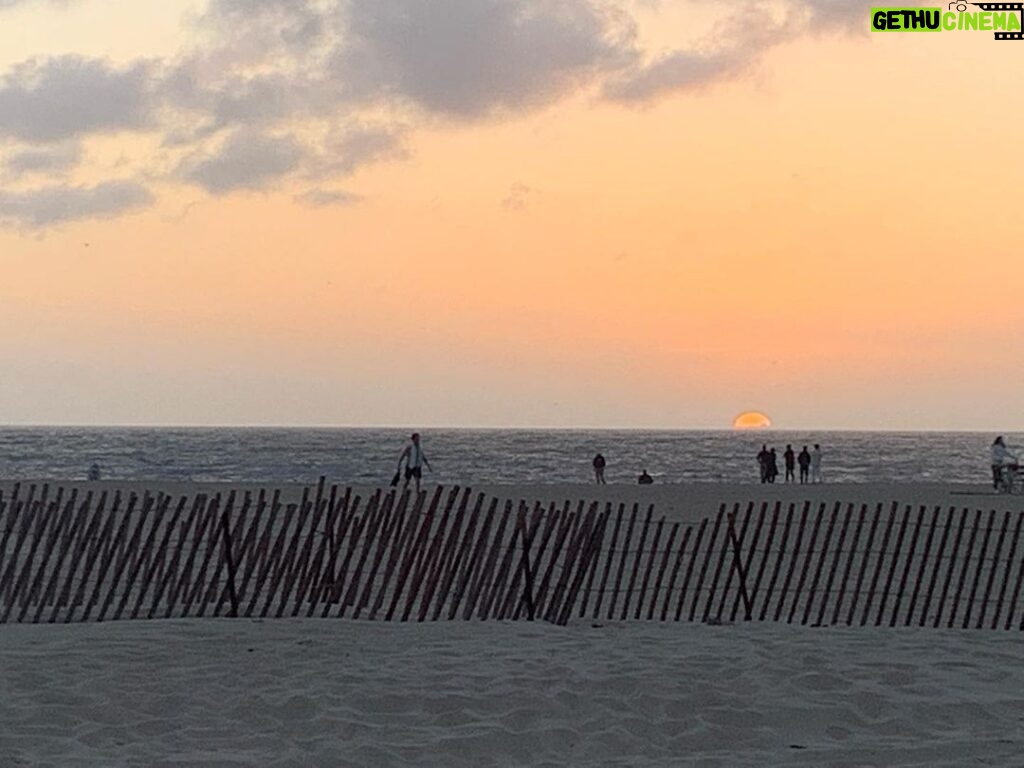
<point>816,464</point>
<point>414,459</point>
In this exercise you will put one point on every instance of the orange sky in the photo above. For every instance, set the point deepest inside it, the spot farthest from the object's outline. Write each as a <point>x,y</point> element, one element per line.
<point>828,236</point>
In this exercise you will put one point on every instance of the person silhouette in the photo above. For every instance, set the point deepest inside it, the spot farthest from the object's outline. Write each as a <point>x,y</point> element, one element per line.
<point>415,460</point>
<point>599,465</point>
<point>645,479</point>
<point>790,459</point>
<point>816,464</point>
<point>1002,462</point>
<point>804,460</point>
<point>763,458</point>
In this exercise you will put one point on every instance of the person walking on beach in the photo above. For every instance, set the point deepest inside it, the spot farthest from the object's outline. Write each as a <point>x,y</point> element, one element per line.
<point>762,462</point>
<point>415,460</point>
<point>816,464</point>
<point>599,464</point>
<point>804,460</point>
<point>790,458</point>
<point>1002,460</point>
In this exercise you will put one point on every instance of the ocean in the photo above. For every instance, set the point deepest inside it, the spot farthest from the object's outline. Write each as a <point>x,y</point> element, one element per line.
<point>473,457</point>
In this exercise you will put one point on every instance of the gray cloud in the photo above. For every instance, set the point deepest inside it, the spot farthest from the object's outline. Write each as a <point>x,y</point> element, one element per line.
<point>68,96</point>
<point>12,3</point>
<point>259,66</point>
<point>47,206</point>
<point>294,25</point>
<point>357,145</point>
<point>468,58</point>
<point>843,15</point>
<point>319,198</point>
<point>247,160</point>
<point>737,42</point>
<point>674,72</point>
<point>53,159</point>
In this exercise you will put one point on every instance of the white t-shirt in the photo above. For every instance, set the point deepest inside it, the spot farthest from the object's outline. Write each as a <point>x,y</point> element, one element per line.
<point>415,456</point>
<point>1001,455</point>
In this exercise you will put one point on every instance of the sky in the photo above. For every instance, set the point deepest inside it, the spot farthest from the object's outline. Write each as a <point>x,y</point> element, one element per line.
<point>506,213</point>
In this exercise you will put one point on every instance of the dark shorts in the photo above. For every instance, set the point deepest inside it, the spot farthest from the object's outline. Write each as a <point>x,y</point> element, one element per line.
<point>416,472</point>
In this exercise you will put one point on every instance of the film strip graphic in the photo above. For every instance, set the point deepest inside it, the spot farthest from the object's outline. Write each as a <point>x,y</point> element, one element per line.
<point>1018,7</point>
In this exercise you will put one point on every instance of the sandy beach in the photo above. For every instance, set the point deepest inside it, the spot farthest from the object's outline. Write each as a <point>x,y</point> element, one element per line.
<point>330,692</point>
<point>338,693</point>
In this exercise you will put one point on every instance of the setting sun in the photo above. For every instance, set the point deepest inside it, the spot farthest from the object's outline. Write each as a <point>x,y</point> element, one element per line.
<point>751,420</point>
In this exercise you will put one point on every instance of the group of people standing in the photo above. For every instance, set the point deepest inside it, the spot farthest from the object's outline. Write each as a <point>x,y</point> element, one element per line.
<point>413,460</point>
<point>808,461</point>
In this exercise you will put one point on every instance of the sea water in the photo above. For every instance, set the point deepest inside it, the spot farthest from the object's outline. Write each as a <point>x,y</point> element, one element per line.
<point>468,456</point>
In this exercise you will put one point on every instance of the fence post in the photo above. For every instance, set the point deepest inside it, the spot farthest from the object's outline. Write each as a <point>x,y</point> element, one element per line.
<point>525,565</point>
<point>738,565</point>
<point>226,530</point>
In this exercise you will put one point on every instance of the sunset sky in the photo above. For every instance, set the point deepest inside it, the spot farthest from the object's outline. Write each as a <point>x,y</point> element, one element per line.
<point>565,213</point>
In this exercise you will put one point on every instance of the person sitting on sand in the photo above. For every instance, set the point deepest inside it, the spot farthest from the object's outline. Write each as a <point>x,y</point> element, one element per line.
<point>1002,462</point>
<point>599,465</point>
<point>414,460</point>
<point>645,479</point>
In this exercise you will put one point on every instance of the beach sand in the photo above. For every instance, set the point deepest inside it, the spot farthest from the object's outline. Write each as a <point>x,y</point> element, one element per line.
<point>223,692</point>
<point>337,693</point>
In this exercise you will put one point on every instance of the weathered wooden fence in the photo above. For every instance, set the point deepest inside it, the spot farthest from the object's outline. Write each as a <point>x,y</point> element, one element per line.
<point>79,556</point>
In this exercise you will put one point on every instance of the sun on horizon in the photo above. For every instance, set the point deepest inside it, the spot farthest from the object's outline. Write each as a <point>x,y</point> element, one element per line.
<point>751,420</point>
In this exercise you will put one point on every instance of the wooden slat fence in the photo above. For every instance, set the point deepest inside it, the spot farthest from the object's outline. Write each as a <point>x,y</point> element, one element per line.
<point>72,556</point>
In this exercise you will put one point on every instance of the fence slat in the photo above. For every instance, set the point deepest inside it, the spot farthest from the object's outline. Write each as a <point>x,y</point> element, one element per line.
<point>892,566</point>
<point>793,560</point>
<point>487,585</point>
<point>979,569</point>
<point>609,557</point>
<point>680,554</point>
<point>924,564</point>
<point>690,568</point>
<point>622,561</point>
<point>673,533</point>
<point>1011,556</point>
<point>835,565</point>
<point>808,557</point>
<point>963,571</point>
<point>889,523</point>
<point>747,563</point>
<point>951,567</point>
<point>111,553</point>
<point>36,591</point>
<point>933,580</point>
<point>711,548</point>
<point>995,567</point>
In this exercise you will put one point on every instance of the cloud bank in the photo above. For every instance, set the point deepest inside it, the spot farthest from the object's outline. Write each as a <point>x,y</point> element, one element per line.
<point>272,93</point>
